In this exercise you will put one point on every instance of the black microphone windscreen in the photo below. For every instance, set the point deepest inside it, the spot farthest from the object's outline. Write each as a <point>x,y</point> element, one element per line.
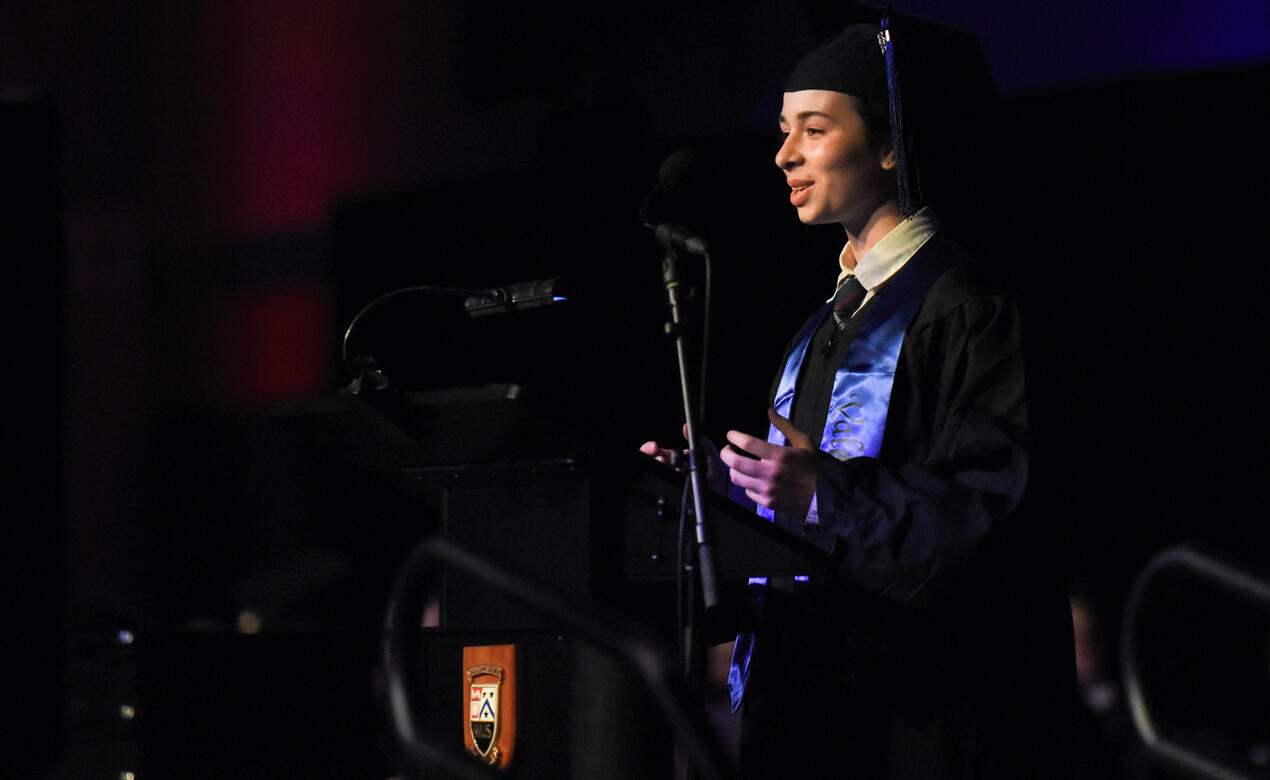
<point>676,167</point>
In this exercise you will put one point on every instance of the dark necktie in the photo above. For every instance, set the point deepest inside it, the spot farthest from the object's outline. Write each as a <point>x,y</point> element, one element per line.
<point>847,300</point>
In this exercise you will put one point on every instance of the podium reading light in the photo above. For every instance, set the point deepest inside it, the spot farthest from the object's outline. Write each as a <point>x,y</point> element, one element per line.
<point>525,295</point>
<point>367,374</point>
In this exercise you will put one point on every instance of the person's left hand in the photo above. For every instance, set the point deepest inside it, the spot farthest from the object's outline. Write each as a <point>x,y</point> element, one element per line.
<point>716,477</point>
<point>781,478</point>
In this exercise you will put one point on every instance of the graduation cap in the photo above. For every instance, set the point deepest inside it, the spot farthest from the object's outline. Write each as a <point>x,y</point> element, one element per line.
<point>935,87</point>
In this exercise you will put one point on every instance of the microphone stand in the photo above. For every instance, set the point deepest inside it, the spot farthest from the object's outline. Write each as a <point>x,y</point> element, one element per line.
<point>704,551</point>
<point>705,554</point>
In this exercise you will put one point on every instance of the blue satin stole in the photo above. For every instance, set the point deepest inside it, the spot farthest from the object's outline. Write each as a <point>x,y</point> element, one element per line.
<point>860,399</point>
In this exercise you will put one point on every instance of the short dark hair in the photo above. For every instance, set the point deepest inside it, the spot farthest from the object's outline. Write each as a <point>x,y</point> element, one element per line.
<point>877,121</point>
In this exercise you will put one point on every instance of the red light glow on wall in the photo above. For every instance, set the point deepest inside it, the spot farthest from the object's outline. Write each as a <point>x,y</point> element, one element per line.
<point>269,344</point>
<point>292,114</point>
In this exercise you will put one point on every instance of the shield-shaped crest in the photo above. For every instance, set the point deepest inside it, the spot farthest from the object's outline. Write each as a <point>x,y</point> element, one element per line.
<point>489,673</point>
<point>483,708</point>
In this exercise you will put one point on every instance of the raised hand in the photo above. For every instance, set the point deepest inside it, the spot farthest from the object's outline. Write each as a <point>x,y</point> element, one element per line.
<point>780,478</point>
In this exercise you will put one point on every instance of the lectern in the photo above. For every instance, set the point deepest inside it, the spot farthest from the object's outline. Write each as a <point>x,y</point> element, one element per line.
<point>589,530</point>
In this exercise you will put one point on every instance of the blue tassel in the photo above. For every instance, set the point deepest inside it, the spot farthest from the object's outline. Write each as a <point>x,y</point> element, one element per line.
<point>906,198</point>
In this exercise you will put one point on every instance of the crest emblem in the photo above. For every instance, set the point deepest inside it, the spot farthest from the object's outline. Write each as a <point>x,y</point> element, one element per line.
<point>489,674</point>
<point>483,706</point>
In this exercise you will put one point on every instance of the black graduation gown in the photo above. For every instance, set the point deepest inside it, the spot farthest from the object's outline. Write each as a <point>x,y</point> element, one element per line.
<point>943,649</point>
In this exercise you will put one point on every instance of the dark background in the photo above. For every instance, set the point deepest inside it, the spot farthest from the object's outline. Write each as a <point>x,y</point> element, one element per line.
<point>199,197</point>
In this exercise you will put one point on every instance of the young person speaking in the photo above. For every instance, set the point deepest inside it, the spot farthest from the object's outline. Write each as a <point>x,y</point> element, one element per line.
<point>899,440</point>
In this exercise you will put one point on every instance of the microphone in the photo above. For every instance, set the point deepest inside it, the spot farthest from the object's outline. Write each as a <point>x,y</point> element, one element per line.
<point>675,170</point>
<point>676,237</point>
<point>524,295</point>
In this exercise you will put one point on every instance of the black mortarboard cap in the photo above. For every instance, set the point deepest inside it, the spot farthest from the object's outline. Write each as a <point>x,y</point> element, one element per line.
<point>849,62</point>
<point>938,87</point>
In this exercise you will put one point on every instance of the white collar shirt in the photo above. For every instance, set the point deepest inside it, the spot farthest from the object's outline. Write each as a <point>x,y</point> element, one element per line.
<point>889,254</point>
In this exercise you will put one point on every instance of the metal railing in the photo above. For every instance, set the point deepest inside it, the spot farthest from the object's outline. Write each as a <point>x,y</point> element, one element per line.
<point>1229,578</point>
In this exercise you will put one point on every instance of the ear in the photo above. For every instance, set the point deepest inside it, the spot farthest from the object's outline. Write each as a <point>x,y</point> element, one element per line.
<point>888,159</point>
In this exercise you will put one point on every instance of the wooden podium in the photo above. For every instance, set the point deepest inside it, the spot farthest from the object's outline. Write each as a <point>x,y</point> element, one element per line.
<point>538,497</point>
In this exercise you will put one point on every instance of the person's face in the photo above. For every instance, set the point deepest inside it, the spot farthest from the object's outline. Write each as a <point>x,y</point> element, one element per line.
<point>833,173</point>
